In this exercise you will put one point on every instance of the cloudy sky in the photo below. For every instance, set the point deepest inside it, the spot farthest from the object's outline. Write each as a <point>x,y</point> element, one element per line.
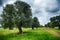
<point>43,9</point>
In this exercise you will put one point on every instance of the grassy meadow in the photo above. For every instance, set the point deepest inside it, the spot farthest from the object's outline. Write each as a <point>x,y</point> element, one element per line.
<point>28,34</point>
<point>55,29</point>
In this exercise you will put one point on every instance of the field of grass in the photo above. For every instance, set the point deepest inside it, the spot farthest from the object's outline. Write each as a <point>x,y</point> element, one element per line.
<point>29,34</point>
<point>57,30</point>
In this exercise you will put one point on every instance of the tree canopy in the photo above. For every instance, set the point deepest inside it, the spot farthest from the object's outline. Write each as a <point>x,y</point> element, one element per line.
<point>18,14</point>
<point>35,23</point>
<point>55,21</point>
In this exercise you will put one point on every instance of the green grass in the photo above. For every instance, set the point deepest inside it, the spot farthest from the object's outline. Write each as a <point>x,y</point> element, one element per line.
<point>57,30</point>
<point>29,34</point>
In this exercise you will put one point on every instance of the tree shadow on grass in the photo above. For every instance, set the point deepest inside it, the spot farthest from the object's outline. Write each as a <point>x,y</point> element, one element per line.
<point>6,37</point>
<point>1,37</point>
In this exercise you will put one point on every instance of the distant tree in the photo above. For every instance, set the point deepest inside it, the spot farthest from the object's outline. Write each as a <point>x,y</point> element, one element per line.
<point>55,21</point>
<point>45,25</point>
<point>19,14</point>
<point>42,26</point>
<point>48,24</point>
<point>35,23</point>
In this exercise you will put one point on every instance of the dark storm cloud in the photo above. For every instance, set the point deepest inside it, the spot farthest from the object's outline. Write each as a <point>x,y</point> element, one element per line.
<point>58,1</point>
<point>1,2</point>
<point>52,10</point>
<point>53,6</point>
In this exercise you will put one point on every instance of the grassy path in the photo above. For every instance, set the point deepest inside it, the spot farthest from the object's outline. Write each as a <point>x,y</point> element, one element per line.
<point>52,32</point>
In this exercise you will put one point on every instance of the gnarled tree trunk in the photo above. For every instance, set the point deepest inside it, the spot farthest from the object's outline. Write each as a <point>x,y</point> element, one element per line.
<point>20,30</point>
<point>19,25</point>
<point>59,27</point>
<point>32,28</point>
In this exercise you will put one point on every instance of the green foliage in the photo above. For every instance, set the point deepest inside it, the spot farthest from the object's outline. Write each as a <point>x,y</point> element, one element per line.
<point>55,21</point>
<point>18,13</point>
<point>7,16</point>
<point>24,13</point>
<point>35,22</point>
<point>48,24</point>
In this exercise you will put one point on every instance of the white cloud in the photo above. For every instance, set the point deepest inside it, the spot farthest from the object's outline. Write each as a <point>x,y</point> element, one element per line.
<point>9,2</point>
<point>1,10</point>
